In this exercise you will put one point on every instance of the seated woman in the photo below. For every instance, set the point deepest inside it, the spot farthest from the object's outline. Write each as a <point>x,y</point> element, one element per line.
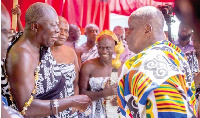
<point>95,74</point>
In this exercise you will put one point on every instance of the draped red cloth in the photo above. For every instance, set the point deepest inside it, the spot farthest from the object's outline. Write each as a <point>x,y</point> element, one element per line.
<point>78,12</point>
<point>126,7</point>
<point>164,0</point>
<point>83,12</point>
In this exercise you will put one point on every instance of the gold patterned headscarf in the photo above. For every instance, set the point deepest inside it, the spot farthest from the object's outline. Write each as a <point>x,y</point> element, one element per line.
<point>109,33</point>
<point>119,48</point>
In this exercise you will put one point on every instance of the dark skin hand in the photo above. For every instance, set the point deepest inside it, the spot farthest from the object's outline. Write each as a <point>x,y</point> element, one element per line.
<point>17,11</point>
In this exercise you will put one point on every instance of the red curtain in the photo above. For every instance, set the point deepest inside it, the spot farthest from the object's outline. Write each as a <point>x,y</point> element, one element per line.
<point>126,7</point>
<point>164,0</point>
<point>78,12</point>
<point>57,5</point>
<point>83,12</point>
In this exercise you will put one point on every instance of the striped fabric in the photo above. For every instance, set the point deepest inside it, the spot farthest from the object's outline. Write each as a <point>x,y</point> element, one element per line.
<point>156,83</point>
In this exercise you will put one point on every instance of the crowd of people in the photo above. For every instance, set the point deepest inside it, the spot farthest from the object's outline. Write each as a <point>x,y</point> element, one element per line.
<point>45,73</point>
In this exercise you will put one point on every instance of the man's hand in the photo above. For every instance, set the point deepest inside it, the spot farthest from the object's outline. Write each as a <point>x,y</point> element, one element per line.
<point>110,89</point>
<point>82,102</point>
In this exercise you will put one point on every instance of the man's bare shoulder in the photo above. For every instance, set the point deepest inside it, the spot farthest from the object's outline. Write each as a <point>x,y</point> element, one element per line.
<point>81,48</point>
<point>68,50</point>
<point>91,64</point>
<point>20,54</point>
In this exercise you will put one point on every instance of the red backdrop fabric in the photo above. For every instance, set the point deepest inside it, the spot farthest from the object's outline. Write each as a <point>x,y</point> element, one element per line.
<point>126,7</point>
<point>164,0</point>
<point>83,12</point>
<point>78,12</point>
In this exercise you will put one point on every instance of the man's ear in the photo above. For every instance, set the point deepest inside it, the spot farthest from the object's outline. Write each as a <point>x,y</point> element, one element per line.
<point>71,33</point>
<point>34,27</point>
<point>148,30</point>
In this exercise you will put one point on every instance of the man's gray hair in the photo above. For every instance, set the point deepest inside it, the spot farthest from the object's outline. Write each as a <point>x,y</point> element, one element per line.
<point>149,15</point>
<point>90,25</point>
<point>39,12</point>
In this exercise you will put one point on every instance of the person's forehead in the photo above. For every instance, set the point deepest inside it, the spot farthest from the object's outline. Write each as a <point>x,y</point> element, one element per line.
<point>93,28</point>
<point>184,26</point>
<point>118,30</point>
<point>63,24</point>
<point>105,40</point>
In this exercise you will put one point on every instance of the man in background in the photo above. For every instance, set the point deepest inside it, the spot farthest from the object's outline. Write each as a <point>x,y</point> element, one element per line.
<point>184,41</point>
<point>74,36</point>
<point>120,33</point>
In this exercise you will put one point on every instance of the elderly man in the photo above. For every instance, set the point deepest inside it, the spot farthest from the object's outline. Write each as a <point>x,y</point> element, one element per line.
<point>154,83</point>
<point>28,70</point>
<point>89,50</point>
<point>184,41</point>
<point>74,35</point>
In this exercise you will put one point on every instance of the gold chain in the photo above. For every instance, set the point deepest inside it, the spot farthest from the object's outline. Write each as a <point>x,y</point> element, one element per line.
<point>28,103</point>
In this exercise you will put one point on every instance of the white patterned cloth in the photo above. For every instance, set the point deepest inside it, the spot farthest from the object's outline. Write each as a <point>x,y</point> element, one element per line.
<point>52,77</point>
<point>194,66</point>
<point>98,109</point>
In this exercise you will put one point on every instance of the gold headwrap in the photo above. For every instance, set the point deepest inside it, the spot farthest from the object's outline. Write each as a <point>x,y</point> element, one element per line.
<point>119,48</point>
<point>109,33</point>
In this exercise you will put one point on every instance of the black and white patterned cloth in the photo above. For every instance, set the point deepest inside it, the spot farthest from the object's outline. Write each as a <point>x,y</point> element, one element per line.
<point>55,81</point>
<point>5,86</point>
<point>194,66</point>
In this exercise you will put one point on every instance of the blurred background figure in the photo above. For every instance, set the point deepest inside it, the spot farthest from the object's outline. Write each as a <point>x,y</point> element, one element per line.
<point>120,33</point>
<point>88,50</point>
<point>6,111</point>
<point>184,38</point>
<point>74,36</point>
<point>188,12</point>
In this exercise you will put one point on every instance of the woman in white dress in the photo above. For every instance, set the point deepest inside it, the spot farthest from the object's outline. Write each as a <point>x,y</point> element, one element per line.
<point>95,75</point>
